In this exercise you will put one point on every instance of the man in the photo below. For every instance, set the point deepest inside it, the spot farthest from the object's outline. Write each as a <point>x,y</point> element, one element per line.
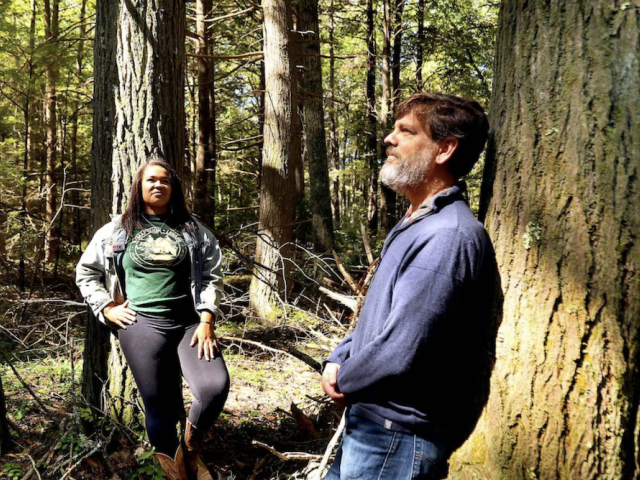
<point>415,371</point>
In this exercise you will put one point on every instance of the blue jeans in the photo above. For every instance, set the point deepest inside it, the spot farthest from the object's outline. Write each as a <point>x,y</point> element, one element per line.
<point>371,452</point>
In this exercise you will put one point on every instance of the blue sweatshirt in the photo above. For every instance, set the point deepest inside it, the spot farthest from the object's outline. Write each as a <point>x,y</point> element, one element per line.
<point>422,351</point>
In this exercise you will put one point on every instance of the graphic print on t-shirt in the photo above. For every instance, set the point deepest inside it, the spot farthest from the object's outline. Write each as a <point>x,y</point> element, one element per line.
<point>154,247</point>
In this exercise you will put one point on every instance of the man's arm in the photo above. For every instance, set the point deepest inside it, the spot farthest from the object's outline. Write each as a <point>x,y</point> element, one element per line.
<point>425,293</point>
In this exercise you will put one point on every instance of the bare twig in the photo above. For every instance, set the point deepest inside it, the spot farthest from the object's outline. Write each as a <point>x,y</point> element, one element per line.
<point>44,409</point>
<point>331,446</point>
<point>287,455</point>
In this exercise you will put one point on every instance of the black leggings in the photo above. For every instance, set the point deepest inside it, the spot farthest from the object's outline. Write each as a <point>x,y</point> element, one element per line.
<point>157,351</point>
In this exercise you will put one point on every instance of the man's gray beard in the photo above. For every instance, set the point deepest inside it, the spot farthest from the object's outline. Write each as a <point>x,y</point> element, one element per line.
<point>403,175</point>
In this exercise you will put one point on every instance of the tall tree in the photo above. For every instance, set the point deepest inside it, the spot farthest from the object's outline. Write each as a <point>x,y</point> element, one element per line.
<point>51,26</point>
<point>136,83</point>
<point>333,129</point>
<point>205,164</point>
<point>275,228</point>
<point>315,146</point>
<point>563,186</point>
<point>420,46</point>
<point>371,122</point>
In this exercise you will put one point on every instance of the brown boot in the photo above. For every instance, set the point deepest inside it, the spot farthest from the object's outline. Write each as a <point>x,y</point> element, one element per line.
<point>196,468</point>
<point>173,468</point>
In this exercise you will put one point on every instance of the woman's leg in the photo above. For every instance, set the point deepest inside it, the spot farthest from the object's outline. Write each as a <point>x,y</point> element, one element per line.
<point>150,345</point>
<point>209,382</point>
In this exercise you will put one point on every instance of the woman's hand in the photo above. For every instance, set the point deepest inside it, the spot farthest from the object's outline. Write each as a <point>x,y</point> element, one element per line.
<point>205,337</point>
<point>120,315</point>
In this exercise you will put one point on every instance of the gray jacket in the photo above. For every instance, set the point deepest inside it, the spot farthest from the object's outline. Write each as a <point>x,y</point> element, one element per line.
<point>99,277</point>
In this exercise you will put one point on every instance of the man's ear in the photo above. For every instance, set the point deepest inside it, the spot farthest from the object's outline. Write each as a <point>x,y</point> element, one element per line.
<point>446,147</point>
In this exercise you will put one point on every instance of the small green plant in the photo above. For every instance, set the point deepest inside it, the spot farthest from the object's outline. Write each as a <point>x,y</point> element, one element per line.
<point>13,471</point>
<point>147,467</point>
<point>73,441</point>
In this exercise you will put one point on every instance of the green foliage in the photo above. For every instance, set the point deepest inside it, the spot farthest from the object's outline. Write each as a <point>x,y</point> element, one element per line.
<point>13,471</point>
<point>147,467</point>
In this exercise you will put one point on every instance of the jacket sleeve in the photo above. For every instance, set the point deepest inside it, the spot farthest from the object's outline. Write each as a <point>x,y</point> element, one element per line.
<point>425,292</point>
<point>341,353</point>
<point>90,275</point>
<point>212,285</point>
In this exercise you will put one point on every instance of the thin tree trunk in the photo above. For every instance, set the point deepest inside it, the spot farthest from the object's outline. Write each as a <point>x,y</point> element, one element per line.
<point>74,197</point>
<point>420,46</point>
<point>333,129</point>
<point>563,185</point>
<point>5,437</point>
<point>273,246</point>
<point>370,113</point>
<point>387,199</point>
<point>314,137</point>
<point>51,78</point>
<point>205,165</point>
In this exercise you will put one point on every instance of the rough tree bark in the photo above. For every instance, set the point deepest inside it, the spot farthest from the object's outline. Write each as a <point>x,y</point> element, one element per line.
<point>52,234</point>
<point>275,228</point>
<point>315,146</point>
<point>205,164</point>
<point>563,185</point>
<point>139,57</point>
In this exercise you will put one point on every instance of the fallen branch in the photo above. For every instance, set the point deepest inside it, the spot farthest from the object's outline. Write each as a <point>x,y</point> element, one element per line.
<point>347,300</point>
<point>331,446</point>
<point>44,409</point>
<point>347,276</point>
<point>365,241</point>
<point>293,353</point>
<point>288,455</point>
<point>73,467</point>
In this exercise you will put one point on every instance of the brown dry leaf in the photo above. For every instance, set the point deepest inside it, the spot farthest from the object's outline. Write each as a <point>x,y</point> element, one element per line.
<point>303,423</point>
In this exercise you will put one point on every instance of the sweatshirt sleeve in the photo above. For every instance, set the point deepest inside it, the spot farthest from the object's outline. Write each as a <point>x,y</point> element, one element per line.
<point>425,292</point>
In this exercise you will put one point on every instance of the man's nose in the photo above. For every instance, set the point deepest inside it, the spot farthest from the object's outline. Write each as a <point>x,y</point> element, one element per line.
<point>390,139</point>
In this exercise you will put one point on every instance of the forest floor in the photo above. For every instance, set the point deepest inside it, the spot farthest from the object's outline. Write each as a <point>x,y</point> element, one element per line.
<point>275,399</point>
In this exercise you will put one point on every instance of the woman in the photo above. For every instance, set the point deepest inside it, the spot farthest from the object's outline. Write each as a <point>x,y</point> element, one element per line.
<point>154,274</point>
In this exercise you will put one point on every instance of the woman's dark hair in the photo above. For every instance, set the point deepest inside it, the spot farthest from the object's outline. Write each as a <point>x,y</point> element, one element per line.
<point>179,215</point>
<point>448,116</point>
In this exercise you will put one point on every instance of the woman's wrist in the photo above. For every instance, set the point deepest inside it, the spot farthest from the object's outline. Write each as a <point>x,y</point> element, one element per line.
<point>207,321</point>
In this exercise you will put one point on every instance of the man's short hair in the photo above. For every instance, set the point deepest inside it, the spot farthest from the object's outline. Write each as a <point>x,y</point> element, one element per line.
<point>448,116</point>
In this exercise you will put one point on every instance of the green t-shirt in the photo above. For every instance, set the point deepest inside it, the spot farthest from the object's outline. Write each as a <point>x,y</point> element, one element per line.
<point>156,267</point>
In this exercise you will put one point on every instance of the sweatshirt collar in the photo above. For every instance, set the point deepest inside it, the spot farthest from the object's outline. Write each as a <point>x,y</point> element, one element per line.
<point>437,202</point>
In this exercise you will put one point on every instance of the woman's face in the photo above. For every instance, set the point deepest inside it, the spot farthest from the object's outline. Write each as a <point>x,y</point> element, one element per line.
<point>156,189</point>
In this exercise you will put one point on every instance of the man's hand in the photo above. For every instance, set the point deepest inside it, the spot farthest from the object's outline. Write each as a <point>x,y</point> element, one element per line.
<point>205,337</point>
<point>329,383</point>
<point>120,315</point>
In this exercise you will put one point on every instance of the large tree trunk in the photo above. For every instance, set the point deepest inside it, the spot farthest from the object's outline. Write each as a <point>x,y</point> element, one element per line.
<point>563,215</point>
<point>273,246</point>
<point>51,144</point>
<point>370,113</point>
<point>205,164</point>
<point>139,59</point>
<point>315,147</point>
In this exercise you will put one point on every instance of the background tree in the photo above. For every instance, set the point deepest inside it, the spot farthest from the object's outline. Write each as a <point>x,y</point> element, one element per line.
<point>277,189</point>
<point>562,190</point>
<point>315,147</point>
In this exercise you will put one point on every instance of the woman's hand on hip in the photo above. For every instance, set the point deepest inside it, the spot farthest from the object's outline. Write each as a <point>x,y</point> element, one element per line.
<point>120,315</point>
<point>205,338</point>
